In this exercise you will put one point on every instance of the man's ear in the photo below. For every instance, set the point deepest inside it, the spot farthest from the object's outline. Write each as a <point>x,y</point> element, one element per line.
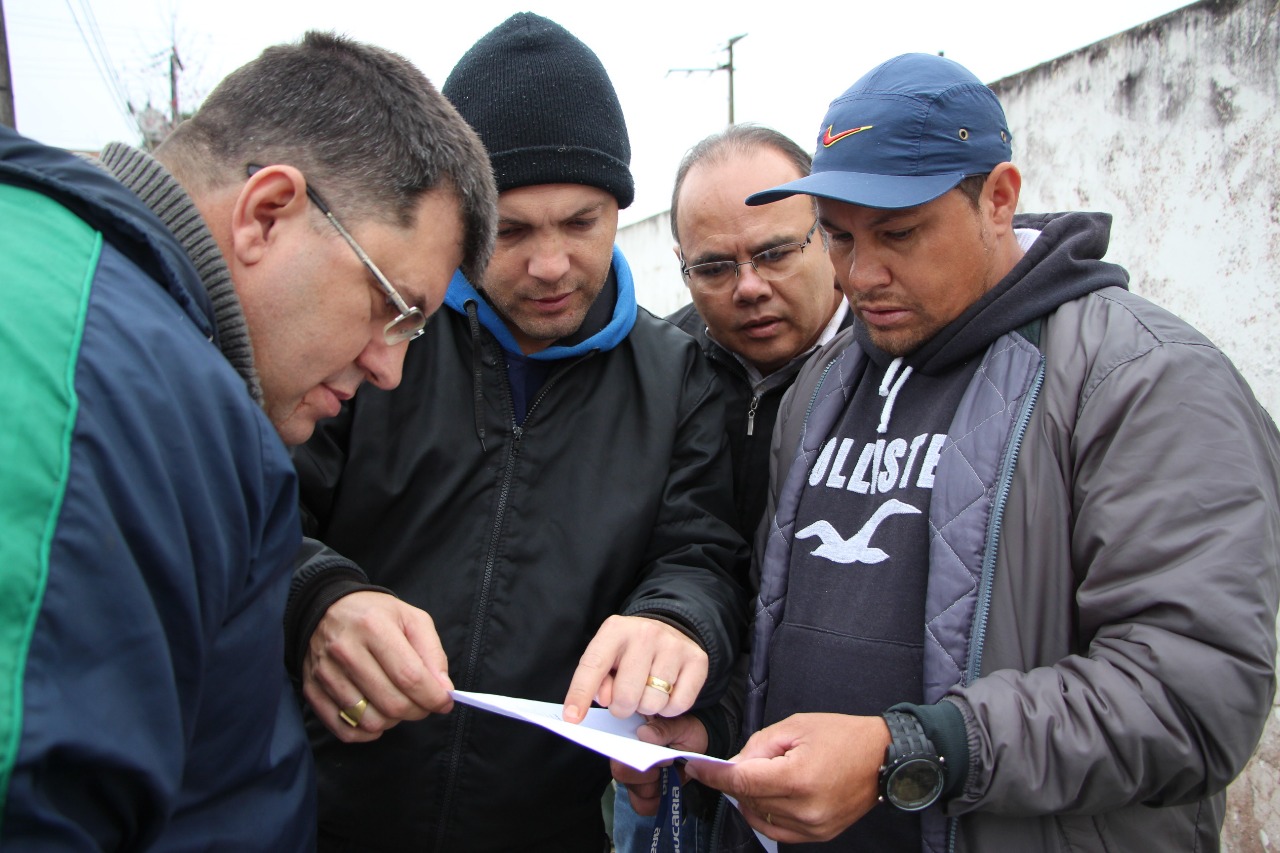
<point>1000,195</point>
<point>273,198</point>
<point>675,248</point>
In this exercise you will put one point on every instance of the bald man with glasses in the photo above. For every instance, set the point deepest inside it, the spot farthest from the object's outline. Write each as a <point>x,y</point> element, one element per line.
<point>764,294</point>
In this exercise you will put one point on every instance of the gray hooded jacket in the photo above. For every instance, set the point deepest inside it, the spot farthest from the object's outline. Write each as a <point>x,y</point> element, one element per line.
<point>1103,576</point>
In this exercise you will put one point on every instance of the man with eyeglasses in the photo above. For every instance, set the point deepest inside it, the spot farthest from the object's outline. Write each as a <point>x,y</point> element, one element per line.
<point>548,493</point>
<point>764,294</point>
<point>764,298</point>
<point>164,322</point>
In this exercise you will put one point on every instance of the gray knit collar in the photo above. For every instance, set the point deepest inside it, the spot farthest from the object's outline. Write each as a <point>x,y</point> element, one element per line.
<point>166,198</point>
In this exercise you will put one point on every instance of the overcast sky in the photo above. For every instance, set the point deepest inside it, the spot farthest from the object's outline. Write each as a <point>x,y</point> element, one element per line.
<point>795,57</point>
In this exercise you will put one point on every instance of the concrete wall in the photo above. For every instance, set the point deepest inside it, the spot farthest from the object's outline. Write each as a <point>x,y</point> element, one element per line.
<point>1172,127</point>
<point>647,245</point>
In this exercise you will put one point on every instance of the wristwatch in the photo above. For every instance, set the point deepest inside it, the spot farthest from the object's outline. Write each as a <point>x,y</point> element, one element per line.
<point>911,777</point>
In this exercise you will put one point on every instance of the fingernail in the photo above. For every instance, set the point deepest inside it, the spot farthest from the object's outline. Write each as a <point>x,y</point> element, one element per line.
<point>571,713</point>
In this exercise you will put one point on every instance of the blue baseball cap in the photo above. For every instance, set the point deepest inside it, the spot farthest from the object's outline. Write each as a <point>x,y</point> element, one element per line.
<point>910,130</point>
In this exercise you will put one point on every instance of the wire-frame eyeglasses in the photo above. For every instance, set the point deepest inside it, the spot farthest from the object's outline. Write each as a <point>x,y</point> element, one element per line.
<point>410,321</point>
<point>773,264</point>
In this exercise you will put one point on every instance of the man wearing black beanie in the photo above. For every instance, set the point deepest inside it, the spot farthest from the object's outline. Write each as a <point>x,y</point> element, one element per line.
<point>547,498</point>
<point>545,108</point>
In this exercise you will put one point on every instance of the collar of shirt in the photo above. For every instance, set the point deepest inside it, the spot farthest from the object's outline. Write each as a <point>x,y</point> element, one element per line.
<point>762,384</point>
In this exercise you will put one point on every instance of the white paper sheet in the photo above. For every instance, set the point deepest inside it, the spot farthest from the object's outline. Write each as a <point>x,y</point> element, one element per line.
<point>600,731</point>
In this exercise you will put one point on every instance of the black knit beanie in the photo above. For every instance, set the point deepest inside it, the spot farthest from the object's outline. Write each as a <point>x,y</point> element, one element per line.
<point>544,108</point>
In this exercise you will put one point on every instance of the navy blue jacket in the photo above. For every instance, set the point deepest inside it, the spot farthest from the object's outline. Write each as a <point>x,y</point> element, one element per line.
<point>148,524</point>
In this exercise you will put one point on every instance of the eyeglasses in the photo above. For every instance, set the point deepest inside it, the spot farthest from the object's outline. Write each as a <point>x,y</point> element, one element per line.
<point>410,322</point>
<point>773,265</point>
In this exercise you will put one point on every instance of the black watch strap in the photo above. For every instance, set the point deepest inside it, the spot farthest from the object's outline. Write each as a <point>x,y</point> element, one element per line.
<point>907,735</point>
<point>912,776</point>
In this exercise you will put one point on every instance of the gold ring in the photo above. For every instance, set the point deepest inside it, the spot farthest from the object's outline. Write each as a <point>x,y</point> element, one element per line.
<point>658,684</point>
<point>353,715</point>
<point>768,818</point>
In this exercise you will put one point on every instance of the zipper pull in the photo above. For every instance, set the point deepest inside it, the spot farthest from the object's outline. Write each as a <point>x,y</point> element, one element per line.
<point>751,415</point>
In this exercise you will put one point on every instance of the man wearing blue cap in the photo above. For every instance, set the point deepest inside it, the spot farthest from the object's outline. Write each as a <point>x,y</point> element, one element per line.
<point>1020,580</point>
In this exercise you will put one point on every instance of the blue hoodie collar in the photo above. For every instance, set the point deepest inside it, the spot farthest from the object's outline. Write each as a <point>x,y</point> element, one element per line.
<point>619,326</point>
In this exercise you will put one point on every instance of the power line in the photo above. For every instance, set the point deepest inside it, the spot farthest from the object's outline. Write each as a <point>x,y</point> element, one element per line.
<point>97,48</point>
<point>106,67</point>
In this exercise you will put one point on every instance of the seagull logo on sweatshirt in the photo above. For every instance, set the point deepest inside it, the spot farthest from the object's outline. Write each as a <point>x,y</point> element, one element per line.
<point>857,548</point>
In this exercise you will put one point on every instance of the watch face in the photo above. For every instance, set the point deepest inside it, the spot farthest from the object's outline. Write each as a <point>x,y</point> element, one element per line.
<point>915,784</point>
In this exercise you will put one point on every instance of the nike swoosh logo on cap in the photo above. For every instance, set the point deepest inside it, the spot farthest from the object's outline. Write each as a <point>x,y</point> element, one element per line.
<point>828,140</point>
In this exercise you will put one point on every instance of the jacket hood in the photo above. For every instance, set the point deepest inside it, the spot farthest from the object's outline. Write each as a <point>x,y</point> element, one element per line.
<point>609,335</point>
<point>109,207</point>
<point>1064,263</point>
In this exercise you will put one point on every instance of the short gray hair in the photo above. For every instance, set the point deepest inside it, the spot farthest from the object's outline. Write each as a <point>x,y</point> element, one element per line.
<point>362,123</point>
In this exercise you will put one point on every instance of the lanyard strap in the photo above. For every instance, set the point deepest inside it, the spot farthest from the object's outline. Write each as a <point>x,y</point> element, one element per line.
<point>666,828</point>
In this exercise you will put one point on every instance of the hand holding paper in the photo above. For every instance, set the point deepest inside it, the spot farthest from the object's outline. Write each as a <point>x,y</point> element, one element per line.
<point>685,732</point>
<point>619,662</point>
<point>599,731</point>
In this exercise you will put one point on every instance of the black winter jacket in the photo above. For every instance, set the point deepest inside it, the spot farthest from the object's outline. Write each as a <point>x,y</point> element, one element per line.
<point>611,497</point>
<point>749,419</point>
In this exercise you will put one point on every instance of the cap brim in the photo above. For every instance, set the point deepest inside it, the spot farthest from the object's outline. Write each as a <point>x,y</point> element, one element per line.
<point>888,192</point>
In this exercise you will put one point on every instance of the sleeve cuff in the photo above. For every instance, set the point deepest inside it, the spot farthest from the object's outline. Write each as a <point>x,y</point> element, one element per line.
<point>667,619</point>
<point>719,736</point>
<point>943,723</point>
<point>315,587</point>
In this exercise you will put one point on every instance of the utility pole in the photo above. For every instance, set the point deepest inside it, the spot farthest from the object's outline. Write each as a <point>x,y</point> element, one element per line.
<point>6,78</point>
<point>727,66</point>
<point>175,65</point>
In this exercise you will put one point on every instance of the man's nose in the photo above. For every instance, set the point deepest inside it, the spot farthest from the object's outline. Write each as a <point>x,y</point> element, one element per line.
<point>750,286</point>
<point>382,363</point>
<point>865,271</point>
<point>550,259</point>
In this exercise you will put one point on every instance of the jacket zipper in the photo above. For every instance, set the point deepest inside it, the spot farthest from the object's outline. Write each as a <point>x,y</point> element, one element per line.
<point>463,714</point>
<point>717,353</point>
<point>813,399</point>
<point>983,607</point>
<point>473,656</point>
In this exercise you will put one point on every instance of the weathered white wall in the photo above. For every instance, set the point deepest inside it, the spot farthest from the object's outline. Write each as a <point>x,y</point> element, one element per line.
<point>1172,127</point>
<point>647,245</point>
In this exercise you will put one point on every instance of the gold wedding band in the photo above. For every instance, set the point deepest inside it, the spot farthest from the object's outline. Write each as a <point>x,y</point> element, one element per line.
<point>354,714</point>
<point>658,684</point>
<point>768,818</point>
